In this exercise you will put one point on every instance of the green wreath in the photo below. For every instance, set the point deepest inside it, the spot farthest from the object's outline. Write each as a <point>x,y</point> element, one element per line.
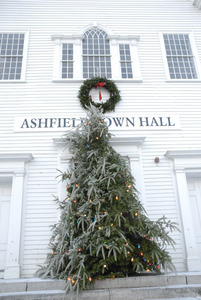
<point>88,84</point>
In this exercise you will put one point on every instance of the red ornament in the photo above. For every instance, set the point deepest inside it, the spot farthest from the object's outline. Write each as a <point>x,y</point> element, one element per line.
<point>100,85</point>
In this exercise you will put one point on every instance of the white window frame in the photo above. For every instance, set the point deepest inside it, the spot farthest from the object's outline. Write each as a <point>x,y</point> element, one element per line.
<point>125,61</point>
<point>195,54</point>
<point>24,60</point>
<point>115,40</point>
<point>132,41</point>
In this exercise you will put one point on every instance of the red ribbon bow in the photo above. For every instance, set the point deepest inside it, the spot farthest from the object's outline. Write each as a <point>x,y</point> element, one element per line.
<point>100,85</point>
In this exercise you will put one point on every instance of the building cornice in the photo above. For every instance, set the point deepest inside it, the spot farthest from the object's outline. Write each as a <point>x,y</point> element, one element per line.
<point>175,154</point>
<point>25,157</point>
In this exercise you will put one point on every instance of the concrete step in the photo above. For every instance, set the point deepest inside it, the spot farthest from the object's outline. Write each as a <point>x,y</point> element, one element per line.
<point>133,288</point>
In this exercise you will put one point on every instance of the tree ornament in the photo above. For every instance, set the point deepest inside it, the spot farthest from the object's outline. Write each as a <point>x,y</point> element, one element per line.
<point>109,85</point>
<point>100,84</point>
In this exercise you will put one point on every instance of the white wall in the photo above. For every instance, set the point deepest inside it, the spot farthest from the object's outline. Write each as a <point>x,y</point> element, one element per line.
<point>40,96</point>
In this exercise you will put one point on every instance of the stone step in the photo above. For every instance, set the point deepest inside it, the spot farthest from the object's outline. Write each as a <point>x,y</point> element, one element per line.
<point>37,284</point>
<point>133,288</point>
<point>192,291</point>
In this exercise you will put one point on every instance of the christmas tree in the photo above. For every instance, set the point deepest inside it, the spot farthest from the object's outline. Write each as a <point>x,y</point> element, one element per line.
<point>103,230</point>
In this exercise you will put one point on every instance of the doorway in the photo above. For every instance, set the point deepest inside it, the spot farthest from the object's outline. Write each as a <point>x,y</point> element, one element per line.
<point>5,201</point>
<point>194,190</point>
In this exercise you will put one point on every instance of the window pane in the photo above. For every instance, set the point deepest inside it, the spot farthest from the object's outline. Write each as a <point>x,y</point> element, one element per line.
<point>180,57</point>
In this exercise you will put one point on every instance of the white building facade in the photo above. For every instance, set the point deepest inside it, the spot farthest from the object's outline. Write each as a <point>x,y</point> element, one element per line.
<point>152,51</point>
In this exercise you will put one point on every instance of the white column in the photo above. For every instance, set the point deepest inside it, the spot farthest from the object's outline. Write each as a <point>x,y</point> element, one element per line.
<point>135,60</point>
<point>115,60</point>
<point>12,269</point>
<point>57,60</point>
<point>137,174</point>
<point>77,58</point>
<point>192,255</point>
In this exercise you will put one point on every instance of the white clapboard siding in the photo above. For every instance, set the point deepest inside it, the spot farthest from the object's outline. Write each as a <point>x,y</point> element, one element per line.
<point>39,96</point>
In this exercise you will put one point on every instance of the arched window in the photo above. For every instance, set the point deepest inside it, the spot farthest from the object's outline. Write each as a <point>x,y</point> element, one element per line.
<point>96,54</point>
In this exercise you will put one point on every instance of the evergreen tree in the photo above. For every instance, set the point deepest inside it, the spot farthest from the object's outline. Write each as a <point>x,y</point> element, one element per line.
<point>103,229</point>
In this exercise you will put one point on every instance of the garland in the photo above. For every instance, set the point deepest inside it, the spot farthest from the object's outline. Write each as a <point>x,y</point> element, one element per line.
<point>99,82</point>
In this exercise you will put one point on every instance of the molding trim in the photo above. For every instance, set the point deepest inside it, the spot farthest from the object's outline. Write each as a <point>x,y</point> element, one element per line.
<point>25,157</point>
<point>81,37</point>
<point>186,161</point>
<point>96,25</point>
<point>115,80</point>
<point>183,154</point>
<point>127,141</point>
<point>115,141</point>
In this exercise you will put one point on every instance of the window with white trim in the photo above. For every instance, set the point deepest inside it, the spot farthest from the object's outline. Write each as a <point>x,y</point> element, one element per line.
<point>179,56</point>
<point>67,61</point>
<point>96,53</point>
<point>12,60</point>
<point>125,61</point>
